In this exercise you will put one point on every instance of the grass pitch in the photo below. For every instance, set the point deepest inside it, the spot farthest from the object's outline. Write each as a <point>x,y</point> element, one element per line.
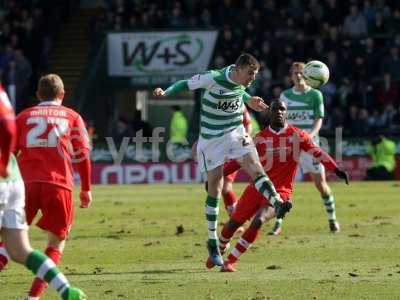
<point>126,246</point>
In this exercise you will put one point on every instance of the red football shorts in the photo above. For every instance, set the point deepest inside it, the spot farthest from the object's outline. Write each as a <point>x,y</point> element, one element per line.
<point>231,177</point>
<point>249,203</point>
<point>55,204</point>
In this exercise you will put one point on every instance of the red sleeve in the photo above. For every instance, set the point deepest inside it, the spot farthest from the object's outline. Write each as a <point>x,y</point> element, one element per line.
<point>85,169</point>
<point>230,167</point>
<point>7,140</point>
<point>307,145</point>
<point>81,146</point>
<point>80,139</point>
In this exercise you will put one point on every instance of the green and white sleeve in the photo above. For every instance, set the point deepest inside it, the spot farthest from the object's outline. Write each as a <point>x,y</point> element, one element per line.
<point>246,97</point>
<point>319,111</point>
<point>177,87</point>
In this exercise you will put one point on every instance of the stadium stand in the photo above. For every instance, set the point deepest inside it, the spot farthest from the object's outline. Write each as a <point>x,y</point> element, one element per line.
<point>29,34</point>
<point>360,44</point>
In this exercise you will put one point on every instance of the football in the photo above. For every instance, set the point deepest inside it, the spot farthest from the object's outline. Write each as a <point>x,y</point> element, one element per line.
<point>316,73</point>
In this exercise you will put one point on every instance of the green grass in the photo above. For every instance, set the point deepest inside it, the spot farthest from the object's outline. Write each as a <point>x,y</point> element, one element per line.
<point>125,247</point>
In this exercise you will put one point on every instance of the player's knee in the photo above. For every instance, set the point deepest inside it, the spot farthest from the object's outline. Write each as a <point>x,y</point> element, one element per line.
<point>214,188</point>
<point>233,225</point>
<point>226,188</point>
<point>320,186</point>
<point>55,241</point>
<point>257,222</point>
<point>19,254</point>
<point>324,189</point>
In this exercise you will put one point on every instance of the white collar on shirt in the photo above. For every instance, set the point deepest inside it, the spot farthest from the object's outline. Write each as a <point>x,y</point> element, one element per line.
<point>48,103</point>
<point>282,130</point>
<point>227,74</point>
<point>296,92</point>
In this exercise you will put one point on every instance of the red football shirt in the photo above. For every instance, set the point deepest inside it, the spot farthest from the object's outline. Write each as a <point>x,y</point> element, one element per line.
<point>7,128</point>
<point>279,154</point>
<point>50,137</point>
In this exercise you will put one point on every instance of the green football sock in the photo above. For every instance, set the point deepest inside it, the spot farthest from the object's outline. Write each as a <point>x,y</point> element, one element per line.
<point>45,269</point>
<point>212,209</point>
<point>329,203</point>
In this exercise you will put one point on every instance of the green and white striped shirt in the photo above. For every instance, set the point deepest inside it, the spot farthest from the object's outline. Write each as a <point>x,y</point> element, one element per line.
<point>222,101</point>
<point>303,107</point>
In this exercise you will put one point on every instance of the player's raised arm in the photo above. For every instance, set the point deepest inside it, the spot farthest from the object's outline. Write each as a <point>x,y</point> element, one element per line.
<point>307,145</point>
<point>198,81</point>
<point>256,103</point>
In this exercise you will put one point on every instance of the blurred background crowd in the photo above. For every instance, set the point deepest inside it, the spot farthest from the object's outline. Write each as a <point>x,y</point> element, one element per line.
<point>358,40</point>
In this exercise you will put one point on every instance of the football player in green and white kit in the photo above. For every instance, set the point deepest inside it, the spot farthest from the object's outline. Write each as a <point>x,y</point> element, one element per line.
<point>223,137</point>
<point>305,108</point>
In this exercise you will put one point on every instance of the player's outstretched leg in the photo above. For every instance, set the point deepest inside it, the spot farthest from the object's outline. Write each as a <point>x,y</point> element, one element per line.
<point>45,269</point>
<point>212,209</point>
<point>38,285</point>
<point>230,201</point>
<point>241,247</point>
<point>277,228</point>
<point>329,203</point>
<point>328,200</point>
<point>20,251</point>
<point>229,196</point>
<point>226,235</point>
<point>281,210</point>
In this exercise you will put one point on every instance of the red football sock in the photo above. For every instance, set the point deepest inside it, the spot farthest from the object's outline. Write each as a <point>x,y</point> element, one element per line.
<point>226,234</point>
<point>4,257</point>
<point>230,201</point>
<point>243,244</point>
<point>38,285</point>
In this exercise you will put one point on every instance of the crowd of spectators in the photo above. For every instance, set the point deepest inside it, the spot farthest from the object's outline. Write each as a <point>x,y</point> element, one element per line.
<point>26,31</point>
<point>358,40</point>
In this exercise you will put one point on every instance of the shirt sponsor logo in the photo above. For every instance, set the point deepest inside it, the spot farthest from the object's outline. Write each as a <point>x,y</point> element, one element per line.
<point>229,106</point>
<point>304,115</point>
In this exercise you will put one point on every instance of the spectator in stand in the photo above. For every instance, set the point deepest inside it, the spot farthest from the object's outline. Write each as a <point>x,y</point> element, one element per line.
<point>372,57</point>
<point>139,124</point>
<point>391,63</point>
<point>389,118</point>
<point>26,28</point>
<point>355,25</point>
<point>368,11</point>
<point>11,80</point>
<point>387,92</point>
<point>382,152</point>
<point>378,26</point>
<point>394,24</point>
<point>353,127</point>
<point>122,130</point>
<point>23,73</point>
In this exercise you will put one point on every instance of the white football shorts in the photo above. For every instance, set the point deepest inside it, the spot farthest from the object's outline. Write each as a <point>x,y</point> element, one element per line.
<point>212,153</point>
<point>12,202</point>
<point>308,164</point>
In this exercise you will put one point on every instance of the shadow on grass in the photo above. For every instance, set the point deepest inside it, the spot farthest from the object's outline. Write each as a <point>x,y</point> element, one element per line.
<point>144,272</point>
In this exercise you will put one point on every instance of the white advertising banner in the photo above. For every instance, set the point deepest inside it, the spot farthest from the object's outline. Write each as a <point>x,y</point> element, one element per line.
<point>157,57</point>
